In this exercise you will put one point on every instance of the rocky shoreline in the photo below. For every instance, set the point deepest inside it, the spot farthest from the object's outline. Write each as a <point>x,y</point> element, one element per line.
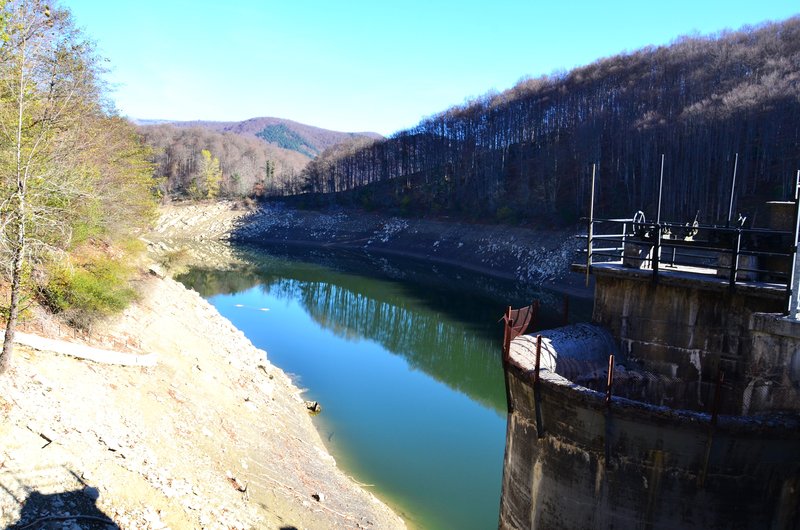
<point>527,255</point>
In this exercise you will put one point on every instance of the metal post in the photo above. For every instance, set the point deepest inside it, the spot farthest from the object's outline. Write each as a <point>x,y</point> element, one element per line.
<point>507,359</point>
<point>610,380</point>
<point>660,188</point>
<point>656,252</point>
<point>537,391</point>
<point>733,190</point>
<point>507,334</point>
<point>657,247</point>
<point>624,238</point>
<point>794,277</point>
<point>737,242</point>
<point>591,222</point>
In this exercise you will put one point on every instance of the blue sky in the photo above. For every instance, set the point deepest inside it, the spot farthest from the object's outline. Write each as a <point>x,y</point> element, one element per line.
<point>377,65</point>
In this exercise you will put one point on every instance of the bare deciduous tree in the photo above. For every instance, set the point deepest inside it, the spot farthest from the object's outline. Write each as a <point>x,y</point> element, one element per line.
<point>48,83</point>
<point>525,153</point>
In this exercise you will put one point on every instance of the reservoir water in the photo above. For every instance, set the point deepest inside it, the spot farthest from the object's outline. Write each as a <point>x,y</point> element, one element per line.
<point>404,359</point>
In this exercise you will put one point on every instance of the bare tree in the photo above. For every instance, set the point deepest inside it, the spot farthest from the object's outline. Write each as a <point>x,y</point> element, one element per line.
<point>49,82</point>
<point>523,153</point>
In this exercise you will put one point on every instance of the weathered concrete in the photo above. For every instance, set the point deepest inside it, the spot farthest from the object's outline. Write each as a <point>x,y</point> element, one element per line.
<point>82,351</point>
<point>772,365</point>
<point>687,332</point>
<point>568,351</point>
<point>638,466</point>
<point>658,456</point>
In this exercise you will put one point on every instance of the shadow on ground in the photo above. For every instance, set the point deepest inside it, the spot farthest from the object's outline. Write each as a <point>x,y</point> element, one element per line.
<point>74,509</point>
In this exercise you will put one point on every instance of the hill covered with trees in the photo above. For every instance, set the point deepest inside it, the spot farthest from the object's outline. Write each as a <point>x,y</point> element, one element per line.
<point>259,156</point>
<point>527,153</point>
<point>75,182</point>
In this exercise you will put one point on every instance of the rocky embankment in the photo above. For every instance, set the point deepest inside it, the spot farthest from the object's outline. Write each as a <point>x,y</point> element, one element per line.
<point>523,254</point>
<point>198,221</point>
<point>527,255</point>
<point>211,436</point>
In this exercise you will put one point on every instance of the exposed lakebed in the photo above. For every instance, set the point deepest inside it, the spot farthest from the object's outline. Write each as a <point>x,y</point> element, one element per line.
<point>404,358</point>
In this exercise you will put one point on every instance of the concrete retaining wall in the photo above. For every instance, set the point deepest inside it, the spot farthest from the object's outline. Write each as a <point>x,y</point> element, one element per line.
<point>688,333</point>
<point>638,466</point>
<point>773,365</point>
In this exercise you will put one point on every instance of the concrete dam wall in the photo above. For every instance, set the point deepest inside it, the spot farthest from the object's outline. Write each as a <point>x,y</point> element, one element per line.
<point>677,445</point>
<point>635,466</point>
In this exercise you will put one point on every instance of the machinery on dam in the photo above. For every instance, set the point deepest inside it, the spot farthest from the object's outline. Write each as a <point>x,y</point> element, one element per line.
<point>679,405</point>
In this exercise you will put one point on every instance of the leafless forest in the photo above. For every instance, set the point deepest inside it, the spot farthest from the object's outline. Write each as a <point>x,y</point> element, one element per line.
<point>249,165</point>
<point>526,154</point>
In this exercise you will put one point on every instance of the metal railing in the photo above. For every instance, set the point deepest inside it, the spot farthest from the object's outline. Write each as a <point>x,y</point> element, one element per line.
<point>735,253</point>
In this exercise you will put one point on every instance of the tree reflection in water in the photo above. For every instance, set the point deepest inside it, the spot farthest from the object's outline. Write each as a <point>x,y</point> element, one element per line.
<point>441,320</point>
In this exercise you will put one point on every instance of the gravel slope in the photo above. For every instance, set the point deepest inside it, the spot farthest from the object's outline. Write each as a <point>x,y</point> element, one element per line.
<point>213,436</point>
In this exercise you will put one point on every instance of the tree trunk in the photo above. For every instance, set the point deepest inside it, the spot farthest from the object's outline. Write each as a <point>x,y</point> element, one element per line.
<point>19,244</point>
<point>16,275</point>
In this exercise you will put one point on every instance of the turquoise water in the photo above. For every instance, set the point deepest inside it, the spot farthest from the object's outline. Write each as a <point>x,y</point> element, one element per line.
<point>404,359</point>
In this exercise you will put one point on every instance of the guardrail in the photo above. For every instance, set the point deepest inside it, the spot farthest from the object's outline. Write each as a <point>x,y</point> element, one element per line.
<point>735,253</point>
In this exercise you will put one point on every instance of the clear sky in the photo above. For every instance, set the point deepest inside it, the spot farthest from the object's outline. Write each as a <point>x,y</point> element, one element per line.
<point>376,65</point>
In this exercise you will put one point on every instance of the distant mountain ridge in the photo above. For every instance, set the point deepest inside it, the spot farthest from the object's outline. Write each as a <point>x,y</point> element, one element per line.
<point>256,156</point>
<point>305,139</point>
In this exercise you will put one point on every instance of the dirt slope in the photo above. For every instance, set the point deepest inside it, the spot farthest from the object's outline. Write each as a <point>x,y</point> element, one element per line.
<point>213,436</point>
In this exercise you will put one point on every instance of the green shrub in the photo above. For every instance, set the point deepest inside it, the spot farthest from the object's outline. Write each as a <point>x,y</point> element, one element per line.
<point>85,292</point>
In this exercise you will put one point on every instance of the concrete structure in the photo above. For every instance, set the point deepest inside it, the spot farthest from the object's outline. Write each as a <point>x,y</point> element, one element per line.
<point>700,427</point>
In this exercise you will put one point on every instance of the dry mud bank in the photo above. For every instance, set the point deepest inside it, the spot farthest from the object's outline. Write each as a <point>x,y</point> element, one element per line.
<point>534,256</point>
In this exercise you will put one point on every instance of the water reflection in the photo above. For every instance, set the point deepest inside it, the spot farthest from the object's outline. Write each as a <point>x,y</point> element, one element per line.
<point>404,358</point>
<point>451,334</point>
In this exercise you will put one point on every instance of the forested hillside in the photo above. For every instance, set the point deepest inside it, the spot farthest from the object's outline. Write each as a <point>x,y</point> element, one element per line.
<point>260,156</point>
<point>247,165</point>
<point>75,183</point>
<point>288,134</point>
<point>527,153</point>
